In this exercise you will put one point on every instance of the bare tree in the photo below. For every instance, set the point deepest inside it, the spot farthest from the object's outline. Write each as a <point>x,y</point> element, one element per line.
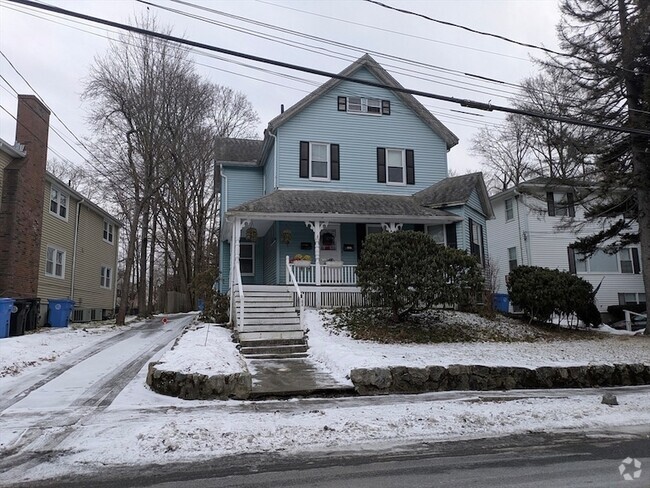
<point>233,114</point>
<point>505,153</point>
<point>77,177</point>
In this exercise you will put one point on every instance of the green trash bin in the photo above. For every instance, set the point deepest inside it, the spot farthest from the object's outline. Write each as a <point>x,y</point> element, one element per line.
<point>6,304</point>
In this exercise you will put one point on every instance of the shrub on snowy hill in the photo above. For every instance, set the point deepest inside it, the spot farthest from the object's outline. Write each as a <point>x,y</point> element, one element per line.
<point>542,292</point>
<point>407,272</point>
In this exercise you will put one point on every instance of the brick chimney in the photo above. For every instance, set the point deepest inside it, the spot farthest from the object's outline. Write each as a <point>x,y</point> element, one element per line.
<point>21,208</point>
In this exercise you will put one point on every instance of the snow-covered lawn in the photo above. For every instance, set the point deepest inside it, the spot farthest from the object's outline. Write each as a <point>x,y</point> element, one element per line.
<point>341,354</point>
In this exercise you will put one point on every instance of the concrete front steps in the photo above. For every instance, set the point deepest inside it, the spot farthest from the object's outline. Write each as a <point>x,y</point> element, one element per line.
<point>271,324</point>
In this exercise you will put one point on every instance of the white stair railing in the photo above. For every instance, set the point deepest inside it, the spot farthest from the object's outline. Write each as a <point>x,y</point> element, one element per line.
<point>291,278</point>
<point>628,318</point>
<point>240,291</point>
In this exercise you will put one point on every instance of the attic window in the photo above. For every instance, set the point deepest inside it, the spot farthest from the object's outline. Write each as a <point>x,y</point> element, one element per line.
<point>361,105</point>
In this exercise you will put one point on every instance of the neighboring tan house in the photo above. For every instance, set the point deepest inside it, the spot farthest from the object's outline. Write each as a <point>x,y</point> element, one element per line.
<point>345,161</point>
<point>536,223</point>
<point>54,242</point>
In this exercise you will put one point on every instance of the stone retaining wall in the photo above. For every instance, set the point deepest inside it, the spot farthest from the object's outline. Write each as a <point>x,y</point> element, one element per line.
<point>402,379</point>
<point>193,386</point>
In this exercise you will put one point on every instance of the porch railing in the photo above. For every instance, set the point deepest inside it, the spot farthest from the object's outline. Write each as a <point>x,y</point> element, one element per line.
<point>291,279</point>
<point>628,318</point>
<point>345,275</point>
<point>240,291</point>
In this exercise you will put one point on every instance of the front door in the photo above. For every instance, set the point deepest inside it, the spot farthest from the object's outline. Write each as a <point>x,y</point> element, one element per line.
<point>330,243</point>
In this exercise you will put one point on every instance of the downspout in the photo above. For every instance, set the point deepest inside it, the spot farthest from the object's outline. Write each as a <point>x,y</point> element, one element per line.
<point>117,252</point>
<point>74,247</point>
<point>275,160</point>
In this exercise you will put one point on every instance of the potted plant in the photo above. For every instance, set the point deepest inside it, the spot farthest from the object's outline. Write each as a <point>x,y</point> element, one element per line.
<point>331,262</point>
<point>251,234</point>
<point>286,236</point>
<point>302,260</point>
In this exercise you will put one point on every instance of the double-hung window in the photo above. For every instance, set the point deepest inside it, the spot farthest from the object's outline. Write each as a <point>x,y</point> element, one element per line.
<point>510,211</point>
<point>58,203</point>
<point>55,262</point>
<point>247,258</point>
<point>395,167</point>
<point>512,258</point>
<point>108,232</point>
<point>626,261</point>
<point>105,279</point>
<point>476,240</point>
<point>319,161</point>
<point>560,204</point>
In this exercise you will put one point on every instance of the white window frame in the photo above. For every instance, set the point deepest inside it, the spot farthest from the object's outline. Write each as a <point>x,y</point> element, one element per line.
<point>108,233</point>
<point>637,297</point>
<point>477,231</point>
<point>56,252</point>
<point>328,161</point>
<point>61,200</point>
<point>512,209</point>
<point>363,105</point>
<point>106,278</point>
<point>444,233</point>
<point>252,258</point>
<point>628,250</point>
<point>403,155</point>
<point>510,260</point>
<point>617,256</point>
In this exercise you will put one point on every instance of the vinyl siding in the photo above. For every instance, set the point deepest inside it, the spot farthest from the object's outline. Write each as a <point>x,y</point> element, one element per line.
<point>546,244</point>
<point>269,172</point>
<point>224,259</point>
<point>93,253</point>
<point>358,137</point>
<point>243,184</point>
<point>479,218</point>
<point>60,234</point>
<point>270,243</point>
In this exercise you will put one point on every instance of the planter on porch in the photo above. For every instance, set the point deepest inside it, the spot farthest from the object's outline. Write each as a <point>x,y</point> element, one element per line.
<point>334,264</point>
<point>301,263</point>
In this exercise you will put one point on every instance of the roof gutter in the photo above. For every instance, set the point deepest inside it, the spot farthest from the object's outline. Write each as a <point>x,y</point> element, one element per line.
<point>293,217</point>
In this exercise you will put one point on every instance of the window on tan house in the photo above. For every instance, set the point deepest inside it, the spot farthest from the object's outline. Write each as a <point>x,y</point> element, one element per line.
<point>58,203</point>
<point>108,232</point>
<point>105,279</point>
<point>55,262</point>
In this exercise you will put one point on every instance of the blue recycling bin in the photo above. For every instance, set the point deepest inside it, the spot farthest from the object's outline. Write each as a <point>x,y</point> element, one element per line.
<point>501,302</point>
<point>58,311</point>
<point>6,304</point>
<point>201,305</point>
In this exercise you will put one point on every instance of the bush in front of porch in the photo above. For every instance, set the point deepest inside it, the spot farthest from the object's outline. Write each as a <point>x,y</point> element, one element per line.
<point>408,272</point>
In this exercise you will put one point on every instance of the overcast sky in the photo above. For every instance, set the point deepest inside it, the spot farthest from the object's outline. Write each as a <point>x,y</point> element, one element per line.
<point>54,53</point>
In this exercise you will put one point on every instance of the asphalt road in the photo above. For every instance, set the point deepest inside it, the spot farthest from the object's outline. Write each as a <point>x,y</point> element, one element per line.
<point>541,460</point>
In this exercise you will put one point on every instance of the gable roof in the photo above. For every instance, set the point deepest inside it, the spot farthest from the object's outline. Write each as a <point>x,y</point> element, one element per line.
<point>456,191</point>
<point>366,61</point>
<point>340,205</point>
<point>231,150</point>
<point>546,183</point>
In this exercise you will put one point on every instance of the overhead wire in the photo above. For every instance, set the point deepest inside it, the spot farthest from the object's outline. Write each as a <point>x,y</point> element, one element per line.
<point>319,72</point>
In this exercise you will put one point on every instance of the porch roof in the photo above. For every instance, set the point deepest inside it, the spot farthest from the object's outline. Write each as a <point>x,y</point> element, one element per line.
<point>340,207</point>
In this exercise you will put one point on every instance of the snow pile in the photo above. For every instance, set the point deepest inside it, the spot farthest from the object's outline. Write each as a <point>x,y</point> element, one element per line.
<point>341,354</point>
<point>204,349</point>
<point>47,345</point>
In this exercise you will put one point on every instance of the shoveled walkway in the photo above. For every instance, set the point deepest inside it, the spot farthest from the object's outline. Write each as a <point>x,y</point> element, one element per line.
<point>293,377</point>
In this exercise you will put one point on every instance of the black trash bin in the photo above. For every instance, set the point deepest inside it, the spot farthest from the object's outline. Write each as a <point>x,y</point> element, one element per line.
<point>19,314</point>
<point>34,314</point>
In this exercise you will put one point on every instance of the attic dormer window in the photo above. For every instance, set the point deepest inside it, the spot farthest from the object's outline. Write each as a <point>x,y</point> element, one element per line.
<point>361,105</point>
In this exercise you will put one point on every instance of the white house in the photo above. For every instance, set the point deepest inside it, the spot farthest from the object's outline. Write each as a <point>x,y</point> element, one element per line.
<point>535,224</point>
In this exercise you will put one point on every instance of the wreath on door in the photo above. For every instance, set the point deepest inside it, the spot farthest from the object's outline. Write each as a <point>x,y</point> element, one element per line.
<point>328,241</point>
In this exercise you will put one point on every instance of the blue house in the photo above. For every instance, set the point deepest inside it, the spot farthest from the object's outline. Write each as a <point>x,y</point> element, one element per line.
<point>345,161</point>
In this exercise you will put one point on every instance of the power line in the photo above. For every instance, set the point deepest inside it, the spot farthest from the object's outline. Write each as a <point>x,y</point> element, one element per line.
<point>282,64</point>
<point>483,33</point>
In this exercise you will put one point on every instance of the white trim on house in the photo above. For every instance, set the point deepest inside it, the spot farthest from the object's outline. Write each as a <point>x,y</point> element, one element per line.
<point>60,200</point>
<point>57,251</point>
<point>327,161</point>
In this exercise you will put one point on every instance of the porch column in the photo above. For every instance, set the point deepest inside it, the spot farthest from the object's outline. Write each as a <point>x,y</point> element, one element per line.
<point>316,228</point>
<point>391,226</point>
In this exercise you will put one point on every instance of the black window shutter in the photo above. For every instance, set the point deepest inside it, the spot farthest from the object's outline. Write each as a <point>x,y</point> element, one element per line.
<point>381,165</point>
<point>572,259</point>
<point>385,107</point>
<point>410,167</point>
<point>304,159</point>
<point>482,251</point>
<point>335,170</point>
<point>550,202</point>
<point>571,203</point>
<point>450,231</point>
<point>418,227</point>
<point>361,235</point>
<point>636,268</point>
<point>342,104</point>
